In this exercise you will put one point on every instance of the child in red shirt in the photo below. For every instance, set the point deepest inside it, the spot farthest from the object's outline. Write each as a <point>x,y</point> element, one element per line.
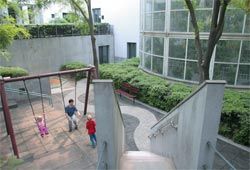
<point>90,126</point>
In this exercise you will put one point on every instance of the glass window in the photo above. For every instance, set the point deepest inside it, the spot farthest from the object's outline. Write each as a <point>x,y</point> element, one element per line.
<point>225,72</point>
<point>204,3</point>
<point>191,53</point>
<point>148,5</point>
<point>159,21</point>
<point>175,68</point>
<point>178,4</point>
<point>247,25</point>
<point>204,18</point>
<point>234,21</point>
<point>141,45</point>
<point>148,22</point>
<point>244,75</point>
<point>158,46</point>
<point>147,44</point>
<point>178,21</point>
<point>192,71</point>
<point>227,51</point>
<point>177,48</point>
<point>159,5</point>
<point>147,61</point>
<point>157,66</point>
<point>245,52</point>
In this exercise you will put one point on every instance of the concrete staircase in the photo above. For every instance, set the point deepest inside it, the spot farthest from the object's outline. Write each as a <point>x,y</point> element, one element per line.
<point>142,160</point>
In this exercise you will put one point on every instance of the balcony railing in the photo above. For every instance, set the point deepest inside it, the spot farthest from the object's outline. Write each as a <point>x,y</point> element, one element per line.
<point>62,30</point>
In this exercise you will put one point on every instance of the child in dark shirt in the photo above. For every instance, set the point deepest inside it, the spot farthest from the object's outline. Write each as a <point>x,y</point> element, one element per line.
<point>71,112</point>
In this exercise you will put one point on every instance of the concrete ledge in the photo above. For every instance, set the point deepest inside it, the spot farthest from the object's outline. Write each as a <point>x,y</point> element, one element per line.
<point>102,81</point>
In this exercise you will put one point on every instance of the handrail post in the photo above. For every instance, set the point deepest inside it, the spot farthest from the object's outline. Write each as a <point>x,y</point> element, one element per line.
<point>7,115</point>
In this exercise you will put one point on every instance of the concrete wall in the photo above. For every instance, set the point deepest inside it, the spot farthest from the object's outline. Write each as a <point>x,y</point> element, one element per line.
<point>48,54</point>
<point>110,127</point>
<point>124,16</point>
<point>184,133</point>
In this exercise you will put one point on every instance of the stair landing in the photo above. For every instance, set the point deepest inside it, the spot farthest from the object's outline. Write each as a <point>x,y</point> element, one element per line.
<point>142,160</point>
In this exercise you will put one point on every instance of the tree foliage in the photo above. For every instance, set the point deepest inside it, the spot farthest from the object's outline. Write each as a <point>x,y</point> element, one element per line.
<point>9,30</point>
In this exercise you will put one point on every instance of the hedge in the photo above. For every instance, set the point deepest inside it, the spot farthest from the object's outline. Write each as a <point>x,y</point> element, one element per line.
<point>72,66</point>
<point>12,72</point>
<point>159,93</point>
<point>57,30</point>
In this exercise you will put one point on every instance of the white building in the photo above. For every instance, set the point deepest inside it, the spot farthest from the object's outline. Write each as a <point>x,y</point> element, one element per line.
<point>124,16</point>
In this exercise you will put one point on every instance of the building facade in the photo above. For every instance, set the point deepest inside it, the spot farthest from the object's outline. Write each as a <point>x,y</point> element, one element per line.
<point>124,16</point>
<point>167,42</point>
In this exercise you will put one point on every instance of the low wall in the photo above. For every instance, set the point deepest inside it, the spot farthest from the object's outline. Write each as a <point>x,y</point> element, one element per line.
<point>110,127</point>
<point>48,54</point>
<point>184,133</point>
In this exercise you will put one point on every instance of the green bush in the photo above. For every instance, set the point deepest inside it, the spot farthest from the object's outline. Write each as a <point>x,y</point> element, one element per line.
<point>157,92</point>
<point>154,90</point>
<point>12,72</point>
<point>72,66</point>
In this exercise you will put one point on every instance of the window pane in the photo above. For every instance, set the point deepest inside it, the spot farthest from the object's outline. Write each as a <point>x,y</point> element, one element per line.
<point>159,21</point>
<point>158,46</point>
<point>227,51</point>
<point>245,52</point>
<point>178,21</point>
<point>225,72</point>
<point>159,5</point>
<point>244,75</point>
<point>147,44</point>
<point>175,68</point>
<point>148,22</point>
<point>148,5</point>
<point>204,18</point>
<point>191,53</point>
<point>192,72</point>
<point>234,21</point>
<point>141,45</point>
<point>247,26</point>
<point>177,48</point>
<point>177,4</point>
<point>204,3</point>
<point>147,61</point>
<point>157,65</point>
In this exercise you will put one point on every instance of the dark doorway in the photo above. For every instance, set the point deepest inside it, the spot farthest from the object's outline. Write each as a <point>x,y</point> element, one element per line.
<point>103,54</point>
<point>131,50</point>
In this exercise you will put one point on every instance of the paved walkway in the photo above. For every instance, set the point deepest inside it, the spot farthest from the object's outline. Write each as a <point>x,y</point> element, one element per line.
<point>64,150</point>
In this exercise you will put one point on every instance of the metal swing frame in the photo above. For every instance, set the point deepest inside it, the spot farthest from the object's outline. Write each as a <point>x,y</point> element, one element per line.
<point>4,98</point>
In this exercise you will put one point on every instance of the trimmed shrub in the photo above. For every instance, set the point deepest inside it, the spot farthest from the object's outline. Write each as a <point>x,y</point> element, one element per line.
<point>157,92</point>
<point>72,66</point>
<point>13,72</point>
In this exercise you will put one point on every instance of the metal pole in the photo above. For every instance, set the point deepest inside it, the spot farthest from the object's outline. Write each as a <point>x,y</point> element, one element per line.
<point>87,92</point>
<point>8,119</point>
<point>3,108</point>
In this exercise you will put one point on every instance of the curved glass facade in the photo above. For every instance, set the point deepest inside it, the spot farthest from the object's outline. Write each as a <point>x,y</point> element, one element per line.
<point>167,42</point>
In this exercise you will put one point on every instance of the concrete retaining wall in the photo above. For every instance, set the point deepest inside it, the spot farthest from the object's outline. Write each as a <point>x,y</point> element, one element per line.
<point>184,133</point>
<point>48,54</point>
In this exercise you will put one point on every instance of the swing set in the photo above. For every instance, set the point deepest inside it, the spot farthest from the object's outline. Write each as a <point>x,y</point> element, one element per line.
<point>4,99</point>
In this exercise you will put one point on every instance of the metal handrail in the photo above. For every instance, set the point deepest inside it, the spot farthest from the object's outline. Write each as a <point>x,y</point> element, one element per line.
<point>220,155</point>
<point>104,144</point>
<point>31,93</point>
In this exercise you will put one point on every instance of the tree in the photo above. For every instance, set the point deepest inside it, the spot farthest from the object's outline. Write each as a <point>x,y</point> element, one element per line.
<point>82,8</point>
<point>216,29</point>
<point>9,30</point>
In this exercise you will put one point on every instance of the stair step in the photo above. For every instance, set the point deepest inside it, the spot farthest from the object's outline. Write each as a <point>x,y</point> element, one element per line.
<point>142,160</point>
